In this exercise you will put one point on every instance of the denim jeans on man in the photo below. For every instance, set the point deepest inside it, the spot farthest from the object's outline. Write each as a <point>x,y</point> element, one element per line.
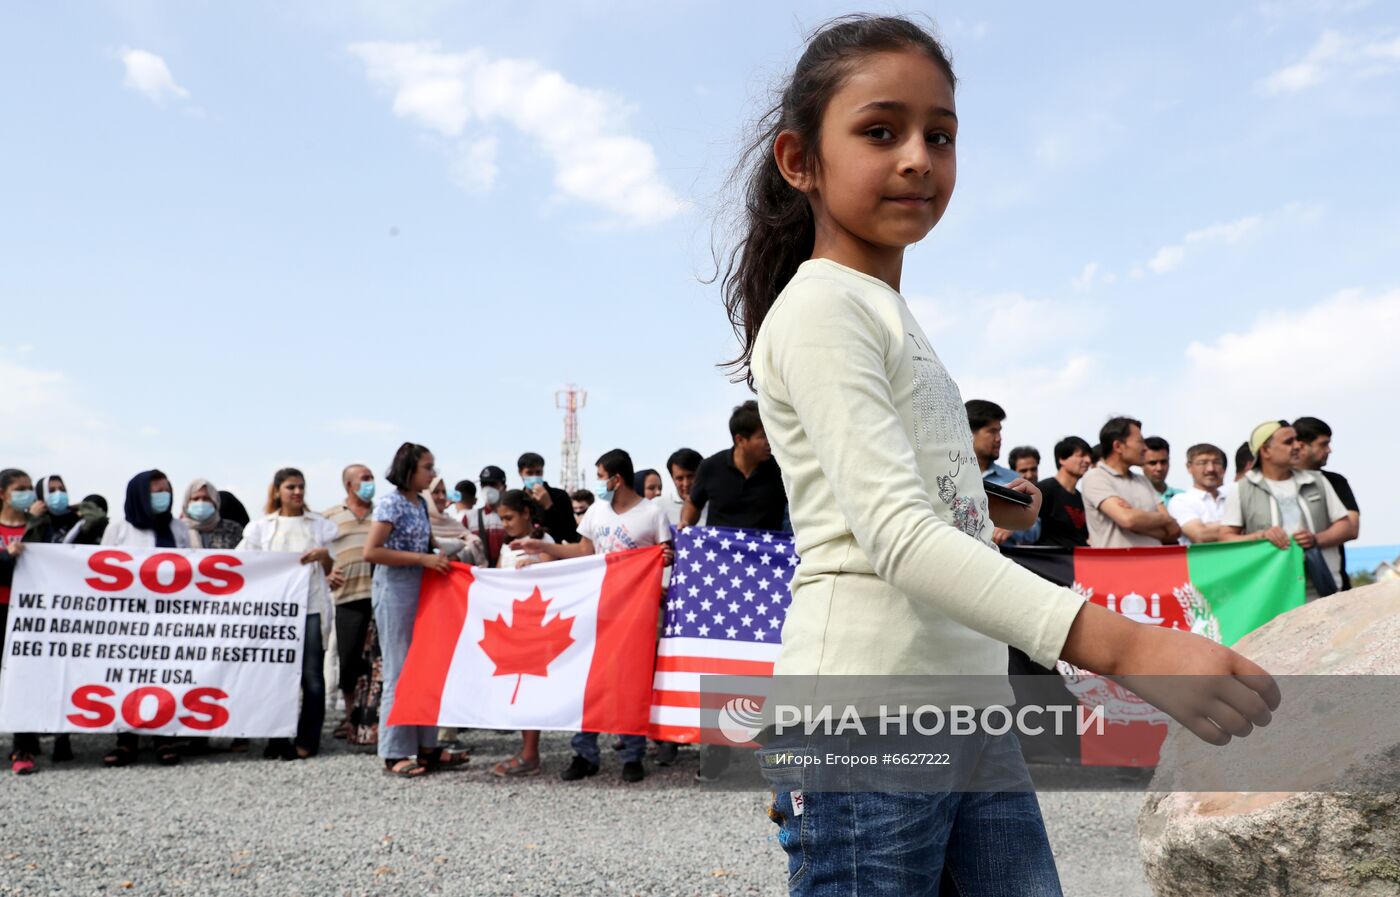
<point>585,744</point>
<point>394,592</point>
<point>951,843</point>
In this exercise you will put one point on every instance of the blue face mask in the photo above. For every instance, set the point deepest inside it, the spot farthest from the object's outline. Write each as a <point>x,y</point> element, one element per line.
<point>160,502</point>
<point>58,502</point>
<point>532,482</point>
<point>603,492</point>
<point>454,496</point>
<point>200,511</point>
<point>365,490</point>
<point>22,499</point>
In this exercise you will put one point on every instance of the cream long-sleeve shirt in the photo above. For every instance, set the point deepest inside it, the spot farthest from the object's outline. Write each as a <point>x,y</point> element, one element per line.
<point>899,574</point>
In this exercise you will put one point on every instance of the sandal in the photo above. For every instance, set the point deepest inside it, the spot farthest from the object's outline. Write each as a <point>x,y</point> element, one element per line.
<point>442,758</point>
<point>515,767</point>
<point>414,769</point>
<point>343,730</point>
<point>171,754</point>
<point>22,763</point>
<point>119,756</point>
<point>239,746</point>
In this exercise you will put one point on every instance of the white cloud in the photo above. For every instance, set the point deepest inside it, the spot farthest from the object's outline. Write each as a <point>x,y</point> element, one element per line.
<point>1171,256</point>
<point>1086,277</point>
<point>582,131</point>
<point>1229,383</point>
<point>1167,258</point>
<point>147,74</point>
<point>1334,54</point>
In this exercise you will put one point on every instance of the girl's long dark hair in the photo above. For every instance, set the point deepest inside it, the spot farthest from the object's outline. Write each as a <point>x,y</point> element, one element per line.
<point>775,230</point>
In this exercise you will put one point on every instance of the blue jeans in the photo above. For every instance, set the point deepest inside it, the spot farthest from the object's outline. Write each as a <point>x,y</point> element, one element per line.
<point>585,744</point>
<point>949,843</point>
<point>394,592</point>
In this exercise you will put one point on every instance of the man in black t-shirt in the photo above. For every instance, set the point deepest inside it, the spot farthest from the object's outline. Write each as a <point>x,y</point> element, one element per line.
<point>742,486</point>
<point>1316,439</point>
<point>1062,520</point>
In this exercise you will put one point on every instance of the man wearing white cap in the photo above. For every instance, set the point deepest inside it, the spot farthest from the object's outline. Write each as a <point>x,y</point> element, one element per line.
<point>1279,503</point>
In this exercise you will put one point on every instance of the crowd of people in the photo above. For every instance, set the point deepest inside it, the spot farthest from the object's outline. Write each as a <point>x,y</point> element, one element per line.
<point>1281,491</point>
<point>368,551</point>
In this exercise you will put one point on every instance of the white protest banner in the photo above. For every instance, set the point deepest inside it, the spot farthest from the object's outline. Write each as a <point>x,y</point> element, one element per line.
<point>161,641</point>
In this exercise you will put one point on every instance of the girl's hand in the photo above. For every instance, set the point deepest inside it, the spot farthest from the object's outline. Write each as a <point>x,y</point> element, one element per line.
<point>668,554</point>
<point>15,549</point>
<point>1213,691</point>
<point>315,556</point>
<point>438,562</point>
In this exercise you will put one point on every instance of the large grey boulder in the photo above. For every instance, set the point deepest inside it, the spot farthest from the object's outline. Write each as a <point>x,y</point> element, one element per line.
<point>1336,829</point>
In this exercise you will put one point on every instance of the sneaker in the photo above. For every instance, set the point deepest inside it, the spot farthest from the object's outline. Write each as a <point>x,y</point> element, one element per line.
<point>579,769</point>
<point>666,753</point>
<point>712,767</point>
<point>632,771</point>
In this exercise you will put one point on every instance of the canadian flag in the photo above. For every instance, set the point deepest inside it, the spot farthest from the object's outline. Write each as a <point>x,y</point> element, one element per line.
<point>562,645</point>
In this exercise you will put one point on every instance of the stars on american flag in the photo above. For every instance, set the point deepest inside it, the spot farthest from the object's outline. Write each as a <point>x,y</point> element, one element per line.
<point>737,582</point>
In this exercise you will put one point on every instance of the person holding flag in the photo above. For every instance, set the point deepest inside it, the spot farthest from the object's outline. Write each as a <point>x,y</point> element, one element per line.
<point>618,521</point>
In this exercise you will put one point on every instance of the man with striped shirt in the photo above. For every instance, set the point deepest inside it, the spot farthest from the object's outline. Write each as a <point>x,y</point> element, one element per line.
<point>350,578</point>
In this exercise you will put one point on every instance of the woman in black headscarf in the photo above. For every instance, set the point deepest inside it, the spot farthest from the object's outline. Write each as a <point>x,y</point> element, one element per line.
<point>92,522</point>
<point>147,523</point>
<point>52,515</point>
<point>230,508</point>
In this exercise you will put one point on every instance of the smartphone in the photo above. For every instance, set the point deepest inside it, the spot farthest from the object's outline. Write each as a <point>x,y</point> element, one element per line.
<point>1005,494</point>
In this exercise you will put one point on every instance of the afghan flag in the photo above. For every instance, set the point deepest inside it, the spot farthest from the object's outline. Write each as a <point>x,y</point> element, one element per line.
<point>1222,591</point>
<point>565,645</point>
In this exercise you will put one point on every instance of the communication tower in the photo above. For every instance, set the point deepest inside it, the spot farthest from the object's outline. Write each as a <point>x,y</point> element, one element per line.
<point>570,399</point>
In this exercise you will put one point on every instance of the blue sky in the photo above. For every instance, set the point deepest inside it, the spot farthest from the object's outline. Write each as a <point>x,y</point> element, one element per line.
<point>241,236</point>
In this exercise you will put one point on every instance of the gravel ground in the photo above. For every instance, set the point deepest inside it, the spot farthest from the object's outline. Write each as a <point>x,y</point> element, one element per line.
<point>238,825</point>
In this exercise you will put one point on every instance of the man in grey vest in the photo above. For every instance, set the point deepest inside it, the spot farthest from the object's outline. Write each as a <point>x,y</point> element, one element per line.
<point>1277,502</point>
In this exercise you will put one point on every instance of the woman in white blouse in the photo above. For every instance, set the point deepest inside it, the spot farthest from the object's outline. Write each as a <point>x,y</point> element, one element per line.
<point>289,526</point>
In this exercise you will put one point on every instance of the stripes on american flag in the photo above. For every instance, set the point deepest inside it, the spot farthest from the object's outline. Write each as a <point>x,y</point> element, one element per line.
<point>724,615</point>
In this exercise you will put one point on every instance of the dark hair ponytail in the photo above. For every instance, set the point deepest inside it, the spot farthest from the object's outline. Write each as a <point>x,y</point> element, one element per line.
<point>775,228</point>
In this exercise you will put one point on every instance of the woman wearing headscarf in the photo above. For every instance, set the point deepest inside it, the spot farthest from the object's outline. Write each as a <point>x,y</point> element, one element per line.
<point>453,539</point>
<point>289,526</point>
<point>17,498</point>
<point>230,508</point>
<point>200,512</point>
<point>147,522</point>
<point>647,484</point>
<point>92,522</point>
<point>53,514</point>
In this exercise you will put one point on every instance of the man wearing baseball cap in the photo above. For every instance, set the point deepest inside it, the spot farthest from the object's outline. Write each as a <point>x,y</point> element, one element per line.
<point>486,523</point>
<point>1277,502</point>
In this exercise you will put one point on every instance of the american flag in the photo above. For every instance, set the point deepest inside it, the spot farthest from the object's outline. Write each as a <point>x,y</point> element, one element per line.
<point>724,615</point>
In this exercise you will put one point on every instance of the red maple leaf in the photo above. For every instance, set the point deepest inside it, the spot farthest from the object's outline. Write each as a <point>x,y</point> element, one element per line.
<point>527,645</point>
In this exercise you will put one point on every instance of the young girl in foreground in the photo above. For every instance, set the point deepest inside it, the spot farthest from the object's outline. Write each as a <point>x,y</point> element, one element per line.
<point>898,572</point>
